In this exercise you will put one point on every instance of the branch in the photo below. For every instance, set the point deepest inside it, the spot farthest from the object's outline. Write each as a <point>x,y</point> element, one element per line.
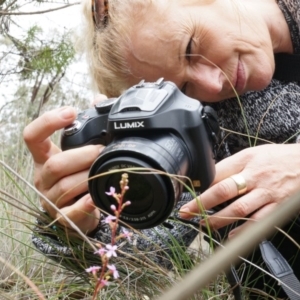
<point>7,13</point>
<point>3,107</point>
<point>36,87</point>
<point>11,4</point>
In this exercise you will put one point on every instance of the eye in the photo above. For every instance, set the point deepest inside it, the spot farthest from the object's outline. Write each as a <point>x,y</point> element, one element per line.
<point>183,89</point>
<point>188,50</point>
<point>188,53</point>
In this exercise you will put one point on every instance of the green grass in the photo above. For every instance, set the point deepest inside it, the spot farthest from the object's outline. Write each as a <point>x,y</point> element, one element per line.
<point>27,274</point>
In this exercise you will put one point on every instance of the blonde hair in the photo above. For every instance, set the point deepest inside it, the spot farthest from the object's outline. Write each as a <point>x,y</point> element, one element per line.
<point>105,48</point>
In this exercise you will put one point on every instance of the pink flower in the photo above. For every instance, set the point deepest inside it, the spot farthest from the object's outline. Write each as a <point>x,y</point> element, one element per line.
<point>114,271</point>
<point>111,192</point>
<point>127,234</point>
<point>109,219</point>
<point>100,251</point>
<point>104,282</point>
<point>127,203</point>
<point>111,250</point>
<point>93,269</point>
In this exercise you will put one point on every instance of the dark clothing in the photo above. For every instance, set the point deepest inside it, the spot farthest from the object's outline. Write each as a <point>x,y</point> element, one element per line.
<point>273,115</point>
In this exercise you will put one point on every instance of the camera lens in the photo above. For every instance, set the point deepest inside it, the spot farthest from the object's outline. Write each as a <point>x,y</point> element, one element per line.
<point>140,193</point>
<point>152,194</point>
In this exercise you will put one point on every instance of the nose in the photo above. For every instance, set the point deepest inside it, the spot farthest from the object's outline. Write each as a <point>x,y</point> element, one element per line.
<point>206,80</point>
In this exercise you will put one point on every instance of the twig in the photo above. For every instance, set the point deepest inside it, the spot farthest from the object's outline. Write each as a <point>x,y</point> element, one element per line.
<point>26,279</point>
<point>9,13</point>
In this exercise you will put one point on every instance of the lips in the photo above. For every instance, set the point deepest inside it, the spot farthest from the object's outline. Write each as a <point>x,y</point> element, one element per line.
<point>240,77</point>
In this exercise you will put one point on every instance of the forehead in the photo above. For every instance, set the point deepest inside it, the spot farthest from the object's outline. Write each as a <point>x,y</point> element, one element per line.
<point>156,43</point>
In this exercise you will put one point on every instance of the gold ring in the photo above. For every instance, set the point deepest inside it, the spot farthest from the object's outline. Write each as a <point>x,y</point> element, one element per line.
<point>240,183</point>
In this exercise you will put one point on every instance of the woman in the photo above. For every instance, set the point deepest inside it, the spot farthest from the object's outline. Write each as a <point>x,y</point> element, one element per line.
<point>213,50</point>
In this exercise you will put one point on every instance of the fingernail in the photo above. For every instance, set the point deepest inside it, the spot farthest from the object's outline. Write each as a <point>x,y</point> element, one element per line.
<point>66,113</point>
<point>205,221</point>
<point>231,234</point>
<point>101,148</point>
<point>184,210</point>
<point>90,203</point>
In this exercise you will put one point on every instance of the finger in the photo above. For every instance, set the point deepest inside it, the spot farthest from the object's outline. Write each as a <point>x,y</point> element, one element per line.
<point>83,213</point>
<point>215,195</point>
<point>263,212</point>
<point>37,133</point>
<point>234,164</point>
<point>63,193</point>
<point>67,163</point>
<point>240,209</point>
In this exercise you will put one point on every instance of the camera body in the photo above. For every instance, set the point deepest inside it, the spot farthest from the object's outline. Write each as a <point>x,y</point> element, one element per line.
<point>152,126</point>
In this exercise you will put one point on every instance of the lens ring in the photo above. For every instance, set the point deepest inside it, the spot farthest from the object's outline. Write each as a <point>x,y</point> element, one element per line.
<point>143,215</point>
<point>163,152</point>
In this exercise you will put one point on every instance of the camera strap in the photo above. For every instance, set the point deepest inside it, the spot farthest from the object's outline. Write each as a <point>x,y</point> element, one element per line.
<point>287,67</point>
<point>275,262</point>
<point>281,269</point>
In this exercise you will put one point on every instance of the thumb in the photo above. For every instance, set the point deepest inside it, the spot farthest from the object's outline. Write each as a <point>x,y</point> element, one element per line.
<point>83,213</point>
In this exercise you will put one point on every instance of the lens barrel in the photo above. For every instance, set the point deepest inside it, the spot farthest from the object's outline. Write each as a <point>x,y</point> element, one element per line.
<point>152,194</point>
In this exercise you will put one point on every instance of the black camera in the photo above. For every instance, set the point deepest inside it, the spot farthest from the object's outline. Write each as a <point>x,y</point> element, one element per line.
<point>152,126</point>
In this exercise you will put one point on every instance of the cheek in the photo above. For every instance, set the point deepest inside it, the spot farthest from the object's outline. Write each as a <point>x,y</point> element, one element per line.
<point>261,81</point>
<point>261,72</point>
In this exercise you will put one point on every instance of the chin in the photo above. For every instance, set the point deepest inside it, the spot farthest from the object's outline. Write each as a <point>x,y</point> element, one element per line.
<point>261,81</point>
<point>217,99</point>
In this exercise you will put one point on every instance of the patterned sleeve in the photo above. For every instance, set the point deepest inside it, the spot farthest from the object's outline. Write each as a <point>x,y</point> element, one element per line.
<point>155,245</point>
<point>260,117</point>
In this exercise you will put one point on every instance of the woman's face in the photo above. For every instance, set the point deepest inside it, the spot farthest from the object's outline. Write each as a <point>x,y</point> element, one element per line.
<point>205,49</point>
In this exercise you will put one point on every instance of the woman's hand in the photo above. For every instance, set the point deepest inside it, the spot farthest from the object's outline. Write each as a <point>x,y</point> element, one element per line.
<point>58,172</point>
<point>271,173</point>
